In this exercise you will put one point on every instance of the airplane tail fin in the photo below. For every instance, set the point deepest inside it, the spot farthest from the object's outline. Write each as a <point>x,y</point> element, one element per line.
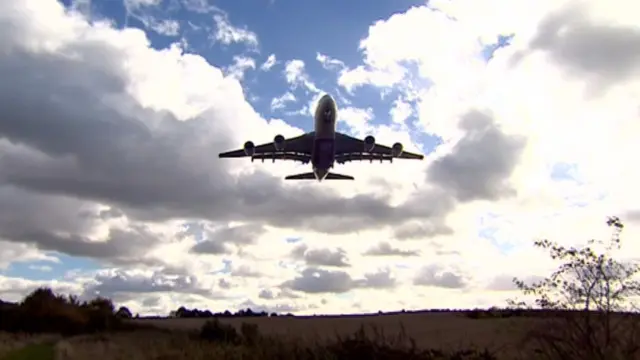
<point>333,176</point>
<point>312,176</point>
<point>304,176</point>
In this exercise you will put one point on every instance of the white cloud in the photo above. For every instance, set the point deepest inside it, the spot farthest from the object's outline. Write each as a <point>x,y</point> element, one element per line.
<point>400,111</point>
<point>226,33</point>
<point>281,101</point>
<point>269,63</point>
<point>329,63</point>
<point>240,65</point>
<point>357,119</point>
<point>166,27</point>
<point>544,86</point>
<point>135,4</point>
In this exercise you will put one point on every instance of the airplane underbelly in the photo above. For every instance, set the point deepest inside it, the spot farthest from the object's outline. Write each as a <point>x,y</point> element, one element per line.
<point>323,153</point>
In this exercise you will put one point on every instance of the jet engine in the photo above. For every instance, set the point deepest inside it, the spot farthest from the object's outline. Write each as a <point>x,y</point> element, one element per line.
<point>249,148</point>
<point>396,149</point>
<point>278,142</point>
<point>369,143</point>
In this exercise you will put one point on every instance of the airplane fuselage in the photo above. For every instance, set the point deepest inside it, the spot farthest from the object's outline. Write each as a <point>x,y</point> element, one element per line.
<point>323,153</point>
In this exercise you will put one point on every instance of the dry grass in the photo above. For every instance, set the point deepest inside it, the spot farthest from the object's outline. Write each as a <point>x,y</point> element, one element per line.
<point>447,331</point>
<point>173,338</point>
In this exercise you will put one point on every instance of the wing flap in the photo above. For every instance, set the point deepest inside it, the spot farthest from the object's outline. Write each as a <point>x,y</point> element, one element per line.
<point>294,148</point>
<point>303,158</point>
<point>349,148</point>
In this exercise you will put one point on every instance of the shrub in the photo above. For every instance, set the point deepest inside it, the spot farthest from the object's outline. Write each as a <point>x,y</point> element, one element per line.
<point>214,330</point>
<point>585,296</point>
<point>42,311</point>
<point>360,346</point>
<point>250,333</point>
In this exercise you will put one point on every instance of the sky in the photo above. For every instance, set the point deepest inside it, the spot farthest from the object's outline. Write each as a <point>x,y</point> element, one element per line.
<point>113,112</point>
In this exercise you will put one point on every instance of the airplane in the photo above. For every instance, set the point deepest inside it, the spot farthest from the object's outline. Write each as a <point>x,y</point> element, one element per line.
<point>323,147</point>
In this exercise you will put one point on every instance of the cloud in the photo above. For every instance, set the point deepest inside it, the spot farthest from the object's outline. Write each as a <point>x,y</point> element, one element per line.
<point>240,65</point>
<point>321,257</point>
<point>217,240</point>
<point>330,63</point>
<point>433,276</point>
<point>357,119</point>
<point>480,163</point>
<point>269,63</point>
<point>108,151</point>
<point>148,12</point>
<point>118,283</point>
<point>227,34</point>
<point>135,4</point>
<point>296,75</point>
<point>147,146</point>
<point>386,249</point>
<point>166,27</point>
<point>281,101</point>
<point>605,53</point>
<point>315,281</point>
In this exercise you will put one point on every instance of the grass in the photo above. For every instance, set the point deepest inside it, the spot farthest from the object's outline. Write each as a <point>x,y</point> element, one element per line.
<point>418,336</point>
<point>44,351</point>
<point>12,343</point>
<point>91,329</point>
<point>448,331</point>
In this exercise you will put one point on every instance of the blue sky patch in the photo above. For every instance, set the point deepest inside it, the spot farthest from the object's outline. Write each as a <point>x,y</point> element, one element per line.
<point>503,41</point>
<point>564,171</point>
<point>49,270</point>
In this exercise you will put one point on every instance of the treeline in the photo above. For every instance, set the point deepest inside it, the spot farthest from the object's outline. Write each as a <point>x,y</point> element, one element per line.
<point>183,312</point>
<point>43,311</point>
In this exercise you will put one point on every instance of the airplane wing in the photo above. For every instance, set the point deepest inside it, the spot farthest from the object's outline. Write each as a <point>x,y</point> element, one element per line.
<point>349,148</point>
<point>295,149</point>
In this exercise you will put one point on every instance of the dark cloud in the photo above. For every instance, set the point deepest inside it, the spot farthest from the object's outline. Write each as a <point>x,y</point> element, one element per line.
<point>434,276</point>
<point>124,285</point>
<point>420,229</point>
<point>480,163</point>
<point>385,249</point>
<point>245,271</point>
<point>71,135</point>
<point>505,282</point>
<point>266,294</point>
<point>224,284</point>
<point>281,308</point>
<point>284,293</point>
<point>321,257</point>
<point>315,281</point>
<point>211,247</point>
<point>633,215</point>
<point>56,223</point>
<point>605,53</point>
<point>217,240</point>
<point>378,280</point>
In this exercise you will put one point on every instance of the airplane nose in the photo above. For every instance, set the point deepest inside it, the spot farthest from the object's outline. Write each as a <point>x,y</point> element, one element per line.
<point>326,100</point>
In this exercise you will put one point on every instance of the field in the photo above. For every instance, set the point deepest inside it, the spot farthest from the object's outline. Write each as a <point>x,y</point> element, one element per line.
<point>386,336</point>
<point>448,331</point>
<point>173,338</point>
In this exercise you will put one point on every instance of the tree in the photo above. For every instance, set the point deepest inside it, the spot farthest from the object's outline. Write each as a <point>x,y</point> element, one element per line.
<point>124,313</point>
<point>587,291</point>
